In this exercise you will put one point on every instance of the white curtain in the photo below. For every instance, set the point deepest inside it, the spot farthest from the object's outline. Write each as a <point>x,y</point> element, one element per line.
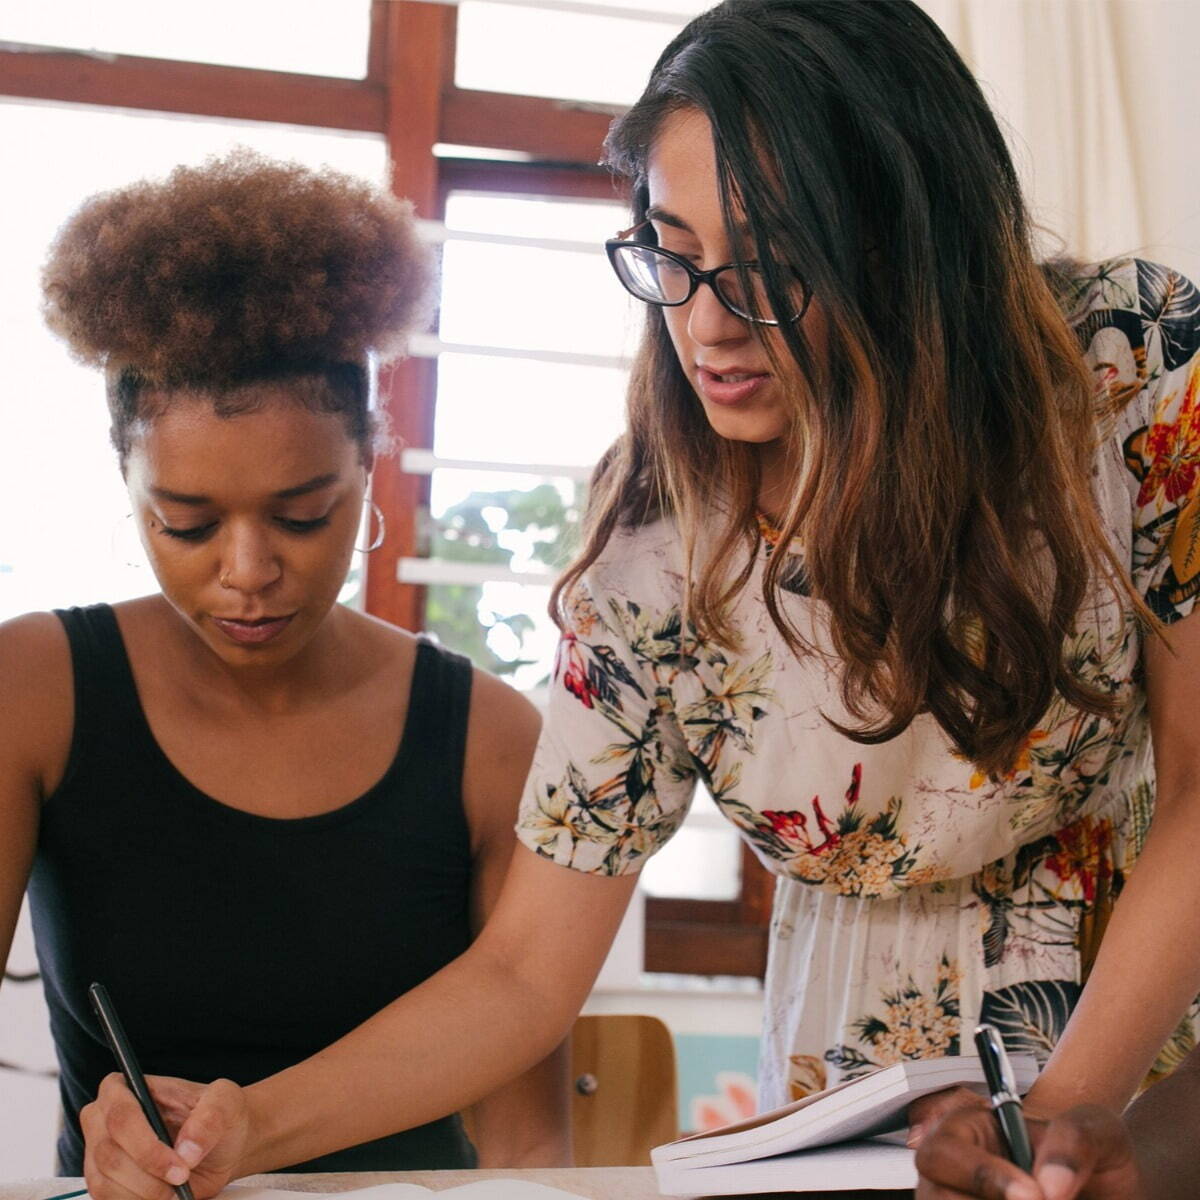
<point>1101,103</point>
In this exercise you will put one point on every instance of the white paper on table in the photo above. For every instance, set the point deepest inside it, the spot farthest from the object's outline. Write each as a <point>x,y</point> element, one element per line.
<point>482,1189</point>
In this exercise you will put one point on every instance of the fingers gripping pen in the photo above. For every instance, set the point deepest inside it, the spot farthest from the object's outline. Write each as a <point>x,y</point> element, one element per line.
<point>118,1043</point>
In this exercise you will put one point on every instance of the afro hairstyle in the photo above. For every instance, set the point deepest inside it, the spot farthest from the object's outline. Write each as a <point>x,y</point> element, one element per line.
<point>238,269</point>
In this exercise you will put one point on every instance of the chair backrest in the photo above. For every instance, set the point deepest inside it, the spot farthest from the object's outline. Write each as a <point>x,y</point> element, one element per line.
<point>624,1096</point>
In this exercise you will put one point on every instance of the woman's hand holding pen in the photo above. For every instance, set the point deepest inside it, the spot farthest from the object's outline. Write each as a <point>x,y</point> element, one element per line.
<point>1083,1154</point>
<point>123,1158</point>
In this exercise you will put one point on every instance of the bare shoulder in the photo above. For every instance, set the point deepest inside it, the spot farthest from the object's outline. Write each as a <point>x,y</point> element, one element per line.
<point>37,698</point>
<point>502,732</point>
<point>387,644</point>
<point>503,721</point>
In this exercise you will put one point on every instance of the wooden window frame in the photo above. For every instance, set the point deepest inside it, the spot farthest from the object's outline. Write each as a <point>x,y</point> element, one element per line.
<point>409,96</point>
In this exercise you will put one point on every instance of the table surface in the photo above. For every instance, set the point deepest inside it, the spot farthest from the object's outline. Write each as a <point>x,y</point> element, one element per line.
<point>592,1183</point>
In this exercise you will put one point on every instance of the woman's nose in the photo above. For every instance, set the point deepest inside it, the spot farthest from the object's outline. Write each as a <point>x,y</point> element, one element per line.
<point>710,323</point>
<point>248,562</point>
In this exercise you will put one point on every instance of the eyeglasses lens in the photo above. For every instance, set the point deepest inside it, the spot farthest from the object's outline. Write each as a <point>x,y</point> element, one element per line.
<point>658,279</point>
<point>748,300</point>
<point>652,276</point>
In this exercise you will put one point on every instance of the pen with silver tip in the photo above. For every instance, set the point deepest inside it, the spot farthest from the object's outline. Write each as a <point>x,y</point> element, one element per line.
<point>1005,1099</point>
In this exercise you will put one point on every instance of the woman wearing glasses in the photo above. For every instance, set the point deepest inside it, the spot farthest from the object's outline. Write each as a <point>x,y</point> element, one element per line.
<point>884,560</point>
<point>895,559</point>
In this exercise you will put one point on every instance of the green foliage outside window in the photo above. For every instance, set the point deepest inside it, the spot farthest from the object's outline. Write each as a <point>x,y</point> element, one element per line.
<point>493,528</point>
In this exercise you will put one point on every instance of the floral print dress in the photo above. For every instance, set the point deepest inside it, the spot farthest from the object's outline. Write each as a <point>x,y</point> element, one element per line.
<point>915,896</point>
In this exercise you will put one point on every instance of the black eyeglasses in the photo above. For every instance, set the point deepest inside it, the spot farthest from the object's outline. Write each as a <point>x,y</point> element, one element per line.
<point>668,280</point>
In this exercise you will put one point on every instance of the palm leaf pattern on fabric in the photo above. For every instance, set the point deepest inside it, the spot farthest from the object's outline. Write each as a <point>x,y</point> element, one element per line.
<point>657,643</point>
<point>1141,812</point>
<point>1179,1045</point>
<point>1170,307</point>
<point>728,711</point>
<point>1031,1016</point>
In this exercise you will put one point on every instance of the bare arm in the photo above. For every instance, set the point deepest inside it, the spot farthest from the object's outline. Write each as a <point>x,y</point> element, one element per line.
<point>1148,968</point>
<point>36,700</point>
<point>527,1122</point>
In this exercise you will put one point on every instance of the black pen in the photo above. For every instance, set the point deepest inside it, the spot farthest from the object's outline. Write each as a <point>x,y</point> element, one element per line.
<point>118,1043</point>
<point>1006,1103</point>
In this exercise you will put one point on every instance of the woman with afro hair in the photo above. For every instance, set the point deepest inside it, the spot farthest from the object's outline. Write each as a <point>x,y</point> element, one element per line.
<point>256,815</point>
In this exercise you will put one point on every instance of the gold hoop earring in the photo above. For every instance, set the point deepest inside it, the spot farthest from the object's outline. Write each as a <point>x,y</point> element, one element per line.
<point>380,533</point>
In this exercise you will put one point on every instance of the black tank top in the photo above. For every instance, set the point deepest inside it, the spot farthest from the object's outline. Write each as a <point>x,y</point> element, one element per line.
<point>235,945</point>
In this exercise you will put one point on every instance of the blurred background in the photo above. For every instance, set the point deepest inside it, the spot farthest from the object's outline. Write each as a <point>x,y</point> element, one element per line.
<point>489,114</point>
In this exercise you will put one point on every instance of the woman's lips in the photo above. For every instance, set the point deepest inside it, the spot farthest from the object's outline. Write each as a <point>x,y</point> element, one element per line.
<point>252,633</point>
<point>731,387</point>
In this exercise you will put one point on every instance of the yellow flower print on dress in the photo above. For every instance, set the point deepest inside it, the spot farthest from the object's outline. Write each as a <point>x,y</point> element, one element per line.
<point>1165,459</point>
<point>856,856</point>
<point>914,1023</point>
<point>806,1075</point>
<point>1021,766</point>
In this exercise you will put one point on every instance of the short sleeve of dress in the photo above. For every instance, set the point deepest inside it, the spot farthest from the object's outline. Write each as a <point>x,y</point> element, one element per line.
<point>1163,448</point>
<point>612,778</point>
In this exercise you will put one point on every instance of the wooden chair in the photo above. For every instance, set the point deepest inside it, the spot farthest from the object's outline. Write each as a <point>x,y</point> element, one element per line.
<point>624,1096</point>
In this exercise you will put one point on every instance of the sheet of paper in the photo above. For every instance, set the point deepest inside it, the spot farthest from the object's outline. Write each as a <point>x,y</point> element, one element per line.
<point>383,1191</point>
<point>482,1189</point>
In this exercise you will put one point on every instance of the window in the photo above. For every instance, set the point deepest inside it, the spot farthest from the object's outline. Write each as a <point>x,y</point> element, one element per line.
<point>483,502</point>
<point>530,376</point>
<point>320,37</point>
<point>517,48</point>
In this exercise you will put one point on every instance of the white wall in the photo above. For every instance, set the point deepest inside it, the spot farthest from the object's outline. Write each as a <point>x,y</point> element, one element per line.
<point>28,1101</point>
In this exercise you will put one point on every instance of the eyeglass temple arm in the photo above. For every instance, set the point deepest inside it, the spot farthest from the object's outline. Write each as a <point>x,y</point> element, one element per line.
<point>632,229</point>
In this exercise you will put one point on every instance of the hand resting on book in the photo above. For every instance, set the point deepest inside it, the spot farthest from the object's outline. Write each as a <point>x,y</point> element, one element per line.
<point>926,1112</point>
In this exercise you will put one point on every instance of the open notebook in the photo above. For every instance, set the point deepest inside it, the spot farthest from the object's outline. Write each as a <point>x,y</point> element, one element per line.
<point>483,1189</point>
<point>820,1143</point>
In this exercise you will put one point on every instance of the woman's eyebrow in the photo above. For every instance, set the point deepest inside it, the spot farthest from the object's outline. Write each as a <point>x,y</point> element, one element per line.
<point>664,217</point>
<point>301,489</point>
<point>313,485</point>
<point>653,213</point>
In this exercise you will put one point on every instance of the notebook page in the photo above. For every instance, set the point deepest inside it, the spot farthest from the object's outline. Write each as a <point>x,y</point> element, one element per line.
<point>482,1189</point>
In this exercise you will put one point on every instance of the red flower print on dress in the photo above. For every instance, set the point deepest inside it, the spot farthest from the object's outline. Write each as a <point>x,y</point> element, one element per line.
<point>569,663</point>
<point>792,826</point>
<point>855,784</point>
<point>1173,452</point>
<point>1084,855</point>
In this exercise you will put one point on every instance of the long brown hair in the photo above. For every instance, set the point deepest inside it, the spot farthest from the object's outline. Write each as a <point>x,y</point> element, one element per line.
<point>945,433</point>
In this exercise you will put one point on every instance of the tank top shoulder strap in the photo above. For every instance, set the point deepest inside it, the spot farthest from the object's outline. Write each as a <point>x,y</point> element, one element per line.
<point>438,711</point>
<point>108,720</point>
